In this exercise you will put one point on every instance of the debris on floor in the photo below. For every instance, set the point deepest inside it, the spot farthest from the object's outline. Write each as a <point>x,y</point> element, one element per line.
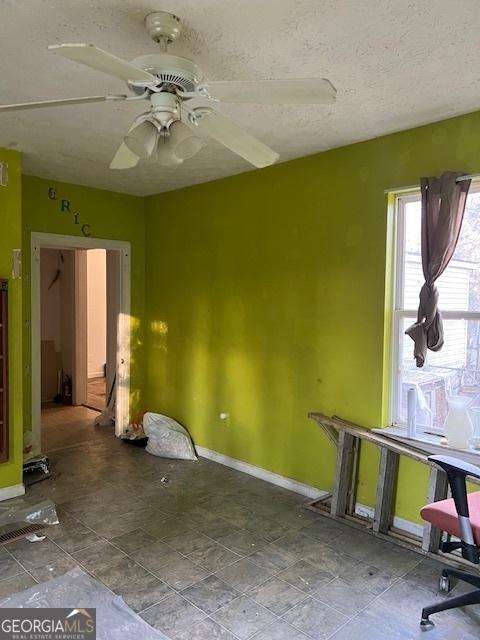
<point>33,537</point>
<point>36,470</point>
<point>38,463</point>
<point>137,442</point>
<point>162,436</point>
<point>107,417</point>
<point>167,438</point>
<point>19,510</point>
<point>20,519</point>
<point>134,433</point>
<point>15,532</point>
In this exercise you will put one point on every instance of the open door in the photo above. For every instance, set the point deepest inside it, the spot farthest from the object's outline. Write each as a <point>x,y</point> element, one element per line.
<point>113,315</point>
<point>79,321</point>
<point>72,290</point>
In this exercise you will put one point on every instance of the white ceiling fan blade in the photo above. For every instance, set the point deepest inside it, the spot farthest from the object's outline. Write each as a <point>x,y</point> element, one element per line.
<point>215,125</point>
<point>124,158</point>
<point>58,103</point>
<point>101,60</point>
<point>296,91</point>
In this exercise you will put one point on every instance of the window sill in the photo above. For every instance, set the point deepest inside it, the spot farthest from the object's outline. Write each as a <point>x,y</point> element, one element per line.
<point>429,443</point>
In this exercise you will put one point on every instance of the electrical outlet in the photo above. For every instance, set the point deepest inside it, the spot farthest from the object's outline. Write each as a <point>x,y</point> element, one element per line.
<point>17,264</point>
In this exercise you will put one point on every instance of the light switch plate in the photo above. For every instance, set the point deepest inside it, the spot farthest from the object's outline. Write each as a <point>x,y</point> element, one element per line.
<point>3,174</point>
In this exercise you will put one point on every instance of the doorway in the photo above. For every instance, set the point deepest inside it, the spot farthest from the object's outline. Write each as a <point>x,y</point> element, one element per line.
<point>80,338</point>
<point>97,330</point>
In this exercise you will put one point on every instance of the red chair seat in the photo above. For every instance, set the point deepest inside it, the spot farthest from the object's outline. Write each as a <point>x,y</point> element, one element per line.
<point>443,515</point>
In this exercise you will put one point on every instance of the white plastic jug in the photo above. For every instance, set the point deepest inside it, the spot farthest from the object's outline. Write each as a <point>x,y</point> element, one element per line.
<point>458,425</point>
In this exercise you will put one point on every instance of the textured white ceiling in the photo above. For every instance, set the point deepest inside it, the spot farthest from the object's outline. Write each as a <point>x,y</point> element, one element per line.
<point>395,63</point>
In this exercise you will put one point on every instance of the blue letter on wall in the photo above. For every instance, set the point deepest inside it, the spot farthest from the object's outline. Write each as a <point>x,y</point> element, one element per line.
<point>65,206</point>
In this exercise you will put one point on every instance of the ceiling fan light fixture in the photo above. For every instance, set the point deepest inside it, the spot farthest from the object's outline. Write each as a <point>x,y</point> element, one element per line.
<point>174,129</point>
<point>142,138</point>
<point>184,143</point>
<point>166,155</point>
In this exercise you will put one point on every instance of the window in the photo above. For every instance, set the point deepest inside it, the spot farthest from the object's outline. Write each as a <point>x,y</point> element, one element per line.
<point>455,370</point>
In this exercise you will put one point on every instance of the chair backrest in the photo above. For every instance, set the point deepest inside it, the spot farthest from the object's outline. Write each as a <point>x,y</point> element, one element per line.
<point>457,471</point>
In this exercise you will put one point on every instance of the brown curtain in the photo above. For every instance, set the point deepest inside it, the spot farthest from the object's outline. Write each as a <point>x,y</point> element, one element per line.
<point>443,206</point>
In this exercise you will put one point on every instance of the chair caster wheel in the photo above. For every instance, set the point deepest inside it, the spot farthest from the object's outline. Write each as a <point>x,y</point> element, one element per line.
<point>444,584</point>
<point>426,624</point>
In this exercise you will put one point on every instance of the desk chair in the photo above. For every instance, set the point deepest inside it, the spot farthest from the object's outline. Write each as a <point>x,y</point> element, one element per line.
<point>458,516</point>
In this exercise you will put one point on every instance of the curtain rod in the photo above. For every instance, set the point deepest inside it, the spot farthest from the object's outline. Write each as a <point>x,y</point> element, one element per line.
<point>471,176</point>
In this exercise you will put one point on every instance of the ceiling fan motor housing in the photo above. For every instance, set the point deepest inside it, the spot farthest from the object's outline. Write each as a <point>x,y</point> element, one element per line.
<point>163,26</point>
<point>180,72</point>
<point>164,109</point>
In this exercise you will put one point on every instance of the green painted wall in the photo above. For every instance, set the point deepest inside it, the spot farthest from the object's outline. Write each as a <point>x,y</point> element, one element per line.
<point>267,296</point>
<point>11,238</point>
<point>110,215</point>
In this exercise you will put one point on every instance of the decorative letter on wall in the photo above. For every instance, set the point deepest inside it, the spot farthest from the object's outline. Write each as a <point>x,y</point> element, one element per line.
<point>66,207</point>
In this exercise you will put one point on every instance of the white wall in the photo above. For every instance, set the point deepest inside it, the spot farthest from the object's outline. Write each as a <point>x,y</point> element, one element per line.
<point>57,317</point>
<point>96,312</point>
<point>67,303</point>
<point>50,297</point>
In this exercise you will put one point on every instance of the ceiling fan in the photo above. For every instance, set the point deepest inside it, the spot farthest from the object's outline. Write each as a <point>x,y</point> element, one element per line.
<point>182,113</point>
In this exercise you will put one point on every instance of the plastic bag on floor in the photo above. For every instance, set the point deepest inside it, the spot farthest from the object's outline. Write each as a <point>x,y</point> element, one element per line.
<point>167,438</point>
<point>75,590</point>
<point>19,510</point>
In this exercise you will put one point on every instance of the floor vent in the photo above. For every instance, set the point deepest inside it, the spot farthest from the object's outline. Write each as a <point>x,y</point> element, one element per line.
<point>8,536</point>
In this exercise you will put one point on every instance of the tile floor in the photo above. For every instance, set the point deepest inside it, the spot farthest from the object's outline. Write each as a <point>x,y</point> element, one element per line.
<point>65,426</point>
<point>216,554</point>
<point>96,394</point>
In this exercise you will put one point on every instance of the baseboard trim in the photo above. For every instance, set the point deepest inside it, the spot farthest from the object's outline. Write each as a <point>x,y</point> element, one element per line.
<point>413,528</point>
<point>268,476</point>
<point>12,492</point>
<point>306,490</point>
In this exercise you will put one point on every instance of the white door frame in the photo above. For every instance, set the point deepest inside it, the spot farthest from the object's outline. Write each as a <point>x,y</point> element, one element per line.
<point>80,351</point>
<point>55,241</point>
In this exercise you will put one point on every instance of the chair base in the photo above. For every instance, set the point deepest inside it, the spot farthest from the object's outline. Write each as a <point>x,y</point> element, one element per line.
<point>473,597</point>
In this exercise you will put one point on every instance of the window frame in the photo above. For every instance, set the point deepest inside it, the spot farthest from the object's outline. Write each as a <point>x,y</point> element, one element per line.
<point>399,313</point>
